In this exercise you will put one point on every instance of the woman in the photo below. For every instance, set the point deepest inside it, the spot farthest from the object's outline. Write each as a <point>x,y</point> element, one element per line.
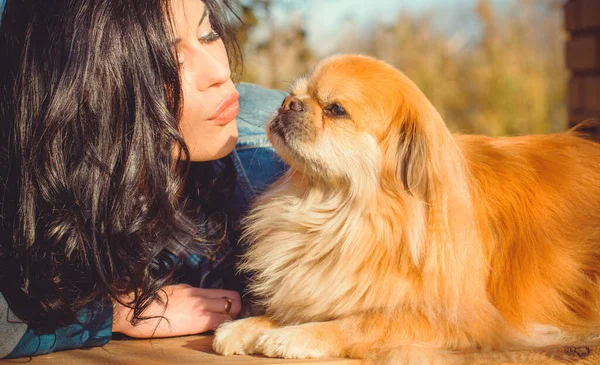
<point>120,187</point>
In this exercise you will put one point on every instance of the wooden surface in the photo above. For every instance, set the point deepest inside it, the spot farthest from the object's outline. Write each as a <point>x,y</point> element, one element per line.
<point>195,350</point>
<point>198,350</point>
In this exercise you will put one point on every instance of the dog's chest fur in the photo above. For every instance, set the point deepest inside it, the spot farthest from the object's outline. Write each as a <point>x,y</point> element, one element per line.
<point>314,256</point>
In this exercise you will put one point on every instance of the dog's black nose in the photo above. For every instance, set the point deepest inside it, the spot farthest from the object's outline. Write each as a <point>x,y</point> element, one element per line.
<point>292,103</point>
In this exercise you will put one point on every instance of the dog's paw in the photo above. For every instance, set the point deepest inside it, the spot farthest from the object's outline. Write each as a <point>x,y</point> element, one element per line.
<point>295,342</point>
<point>239,337</point>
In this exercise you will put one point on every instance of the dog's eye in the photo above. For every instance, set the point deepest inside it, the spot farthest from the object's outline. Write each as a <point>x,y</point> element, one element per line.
<point>336,109</point>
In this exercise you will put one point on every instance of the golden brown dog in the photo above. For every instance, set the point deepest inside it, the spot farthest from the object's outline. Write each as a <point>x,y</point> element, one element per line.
<point>392,240</point>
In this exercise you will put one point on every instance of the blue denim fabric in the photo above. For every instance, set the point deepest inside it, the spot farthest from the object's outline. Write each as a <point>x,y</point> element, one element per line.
<point>257,166</point>
<point>94,329</point>
<point>256,162</point>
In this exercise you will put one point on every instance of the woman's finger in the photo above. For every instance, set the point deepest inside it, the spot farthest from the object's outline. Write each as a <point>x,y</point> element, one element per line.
<point>231,307</point>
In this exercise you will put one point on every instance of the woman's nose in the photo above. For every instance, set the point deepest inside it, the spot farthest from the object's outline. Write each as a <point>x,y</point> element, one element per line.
<point>211,66</point>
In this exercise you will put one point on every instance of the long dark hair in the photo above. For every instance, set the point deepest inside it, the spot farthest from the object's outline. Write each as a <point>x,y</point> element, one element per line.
<point>91,203</point>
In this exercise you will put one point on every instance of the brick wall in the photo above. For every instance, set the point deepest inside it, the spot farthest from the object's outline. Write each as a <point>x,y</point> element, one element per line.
<point>582,21</point>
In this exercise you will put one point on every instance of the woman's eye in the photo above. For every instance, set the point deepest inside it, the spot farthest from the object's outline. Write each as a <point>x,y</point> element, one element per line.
<point>336,109</point>
<point>207,38</point>
<point>210,37</point>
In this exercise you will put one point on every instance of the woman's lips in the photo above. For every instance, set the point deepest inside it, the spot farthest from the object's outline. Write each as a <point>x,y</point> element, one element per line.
<point>227,111</point>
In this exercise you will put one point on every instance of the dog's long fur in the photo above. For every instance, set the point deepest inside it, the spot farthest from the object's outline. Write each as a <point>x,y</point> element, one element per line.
<point>392,239</point>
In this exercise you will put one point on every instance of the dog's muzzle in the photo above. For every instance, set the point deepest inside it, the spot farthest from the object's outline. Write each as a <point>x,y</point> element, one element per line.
<point>292,103</point>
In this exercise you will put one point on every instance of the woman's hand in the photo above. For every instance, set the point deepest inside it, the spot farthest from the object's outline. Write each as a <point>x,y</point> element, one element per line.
<point>189,311</point>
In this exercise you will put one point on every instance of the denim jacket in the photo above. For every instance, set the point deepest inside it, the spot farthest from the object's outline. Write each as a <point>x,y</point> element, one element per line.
<point>257,166</point>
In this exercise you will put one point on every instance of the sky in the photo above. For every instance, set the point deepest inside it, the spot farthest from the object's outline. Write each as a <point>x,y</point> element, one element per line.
<point>329,12</point>
<point>322,18</point>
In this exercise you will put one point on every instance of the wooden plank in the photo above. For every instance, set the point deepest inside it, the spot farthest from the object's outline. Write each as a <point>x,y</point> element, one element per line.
<point>583,52</point>
<point>198,350</point>
<point>591,89</point>
<point>572,15</point>
<point>576,93</point>
<point>590,14</point>
<point>582,15</point>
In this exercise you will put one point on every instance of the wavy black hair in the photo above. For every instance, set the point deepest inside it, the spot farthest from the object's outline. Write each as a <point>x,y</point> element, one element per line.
<point>91,204</point>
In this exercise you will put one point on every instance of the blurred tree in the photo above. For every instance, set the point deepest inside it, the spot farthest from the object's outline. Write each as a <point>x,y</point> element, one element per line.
<point>509,79</point>
<point>273,55</point>
<point>246,10</point>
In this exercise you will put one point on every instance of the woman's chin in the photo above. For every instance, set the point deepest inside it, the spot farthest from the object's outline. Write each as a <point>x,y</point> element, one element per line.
<point>218,146</point>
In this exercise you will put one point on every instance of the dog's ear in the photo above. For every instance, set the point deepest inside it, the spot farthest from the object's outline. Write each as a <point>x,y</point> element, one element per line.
<point>412,158</point>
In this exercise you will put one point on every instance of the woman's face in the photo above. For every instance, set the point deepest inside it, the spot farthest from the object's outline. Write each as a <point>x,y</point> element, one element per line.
<point>210,100</point>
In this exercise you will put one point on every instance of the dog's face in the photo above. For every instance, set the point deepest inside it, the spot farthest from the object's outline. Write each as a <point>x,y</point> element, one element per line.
<point>347,118</point>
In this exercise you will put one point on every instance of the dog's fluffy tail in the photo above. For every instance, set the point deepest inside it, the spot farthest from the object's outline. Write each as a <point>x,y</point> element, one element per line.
<point>588,129</point>
<point>416,355</point>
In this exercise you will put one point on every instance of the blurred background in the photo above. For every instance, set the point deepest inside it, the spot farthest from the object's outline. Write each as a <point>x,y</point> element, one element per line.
<point>494,67</point>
